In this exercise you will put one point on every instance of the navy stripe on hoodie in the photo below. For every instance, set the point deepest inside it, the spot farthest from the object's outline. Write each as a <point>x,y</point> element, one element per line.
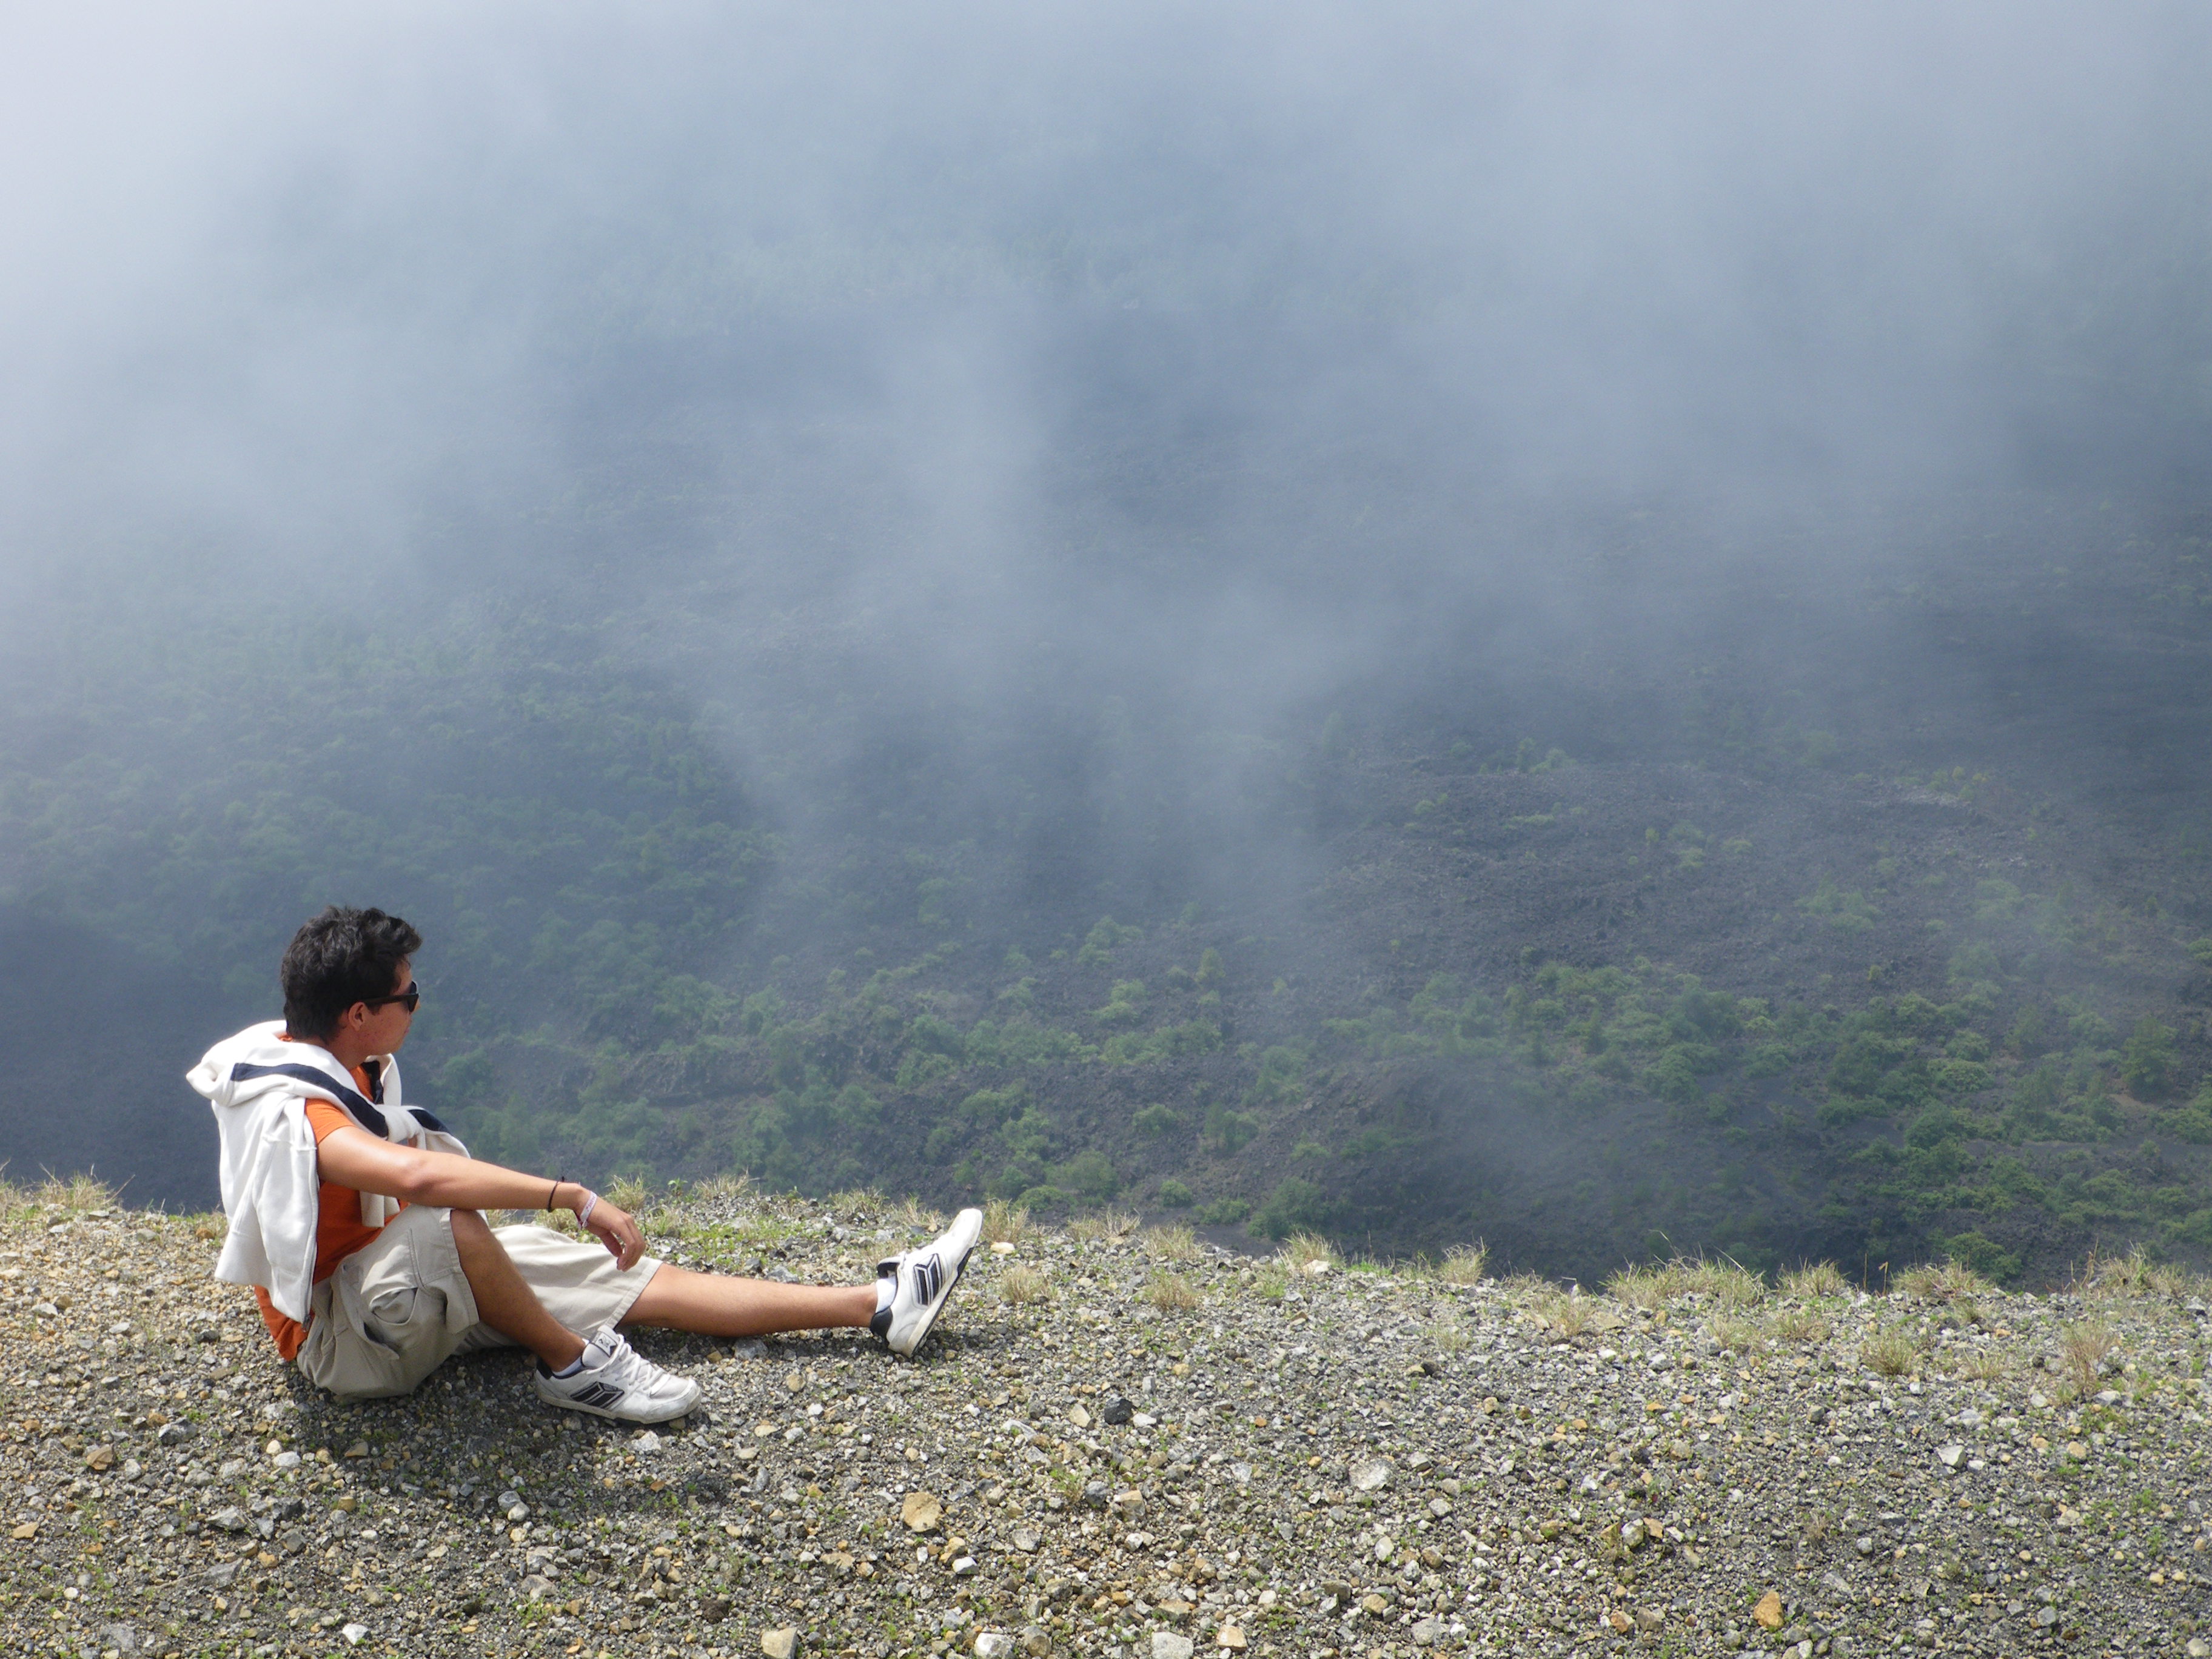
<point>353,1100</point>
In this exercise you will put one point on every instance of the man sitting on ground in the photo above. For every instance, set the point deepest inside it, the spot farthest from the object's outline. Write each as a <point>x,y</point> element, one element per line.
<point>355,1218</point>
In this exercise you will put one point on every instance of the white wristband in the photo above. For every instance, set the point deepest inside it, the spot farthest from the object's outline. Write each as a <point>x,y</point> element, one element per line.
<point>584,1215</point>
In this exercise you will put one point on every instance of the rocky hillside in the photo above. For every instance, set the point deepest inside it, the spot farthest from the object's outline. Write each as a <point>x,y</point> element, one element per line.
<point>1119,1445</point>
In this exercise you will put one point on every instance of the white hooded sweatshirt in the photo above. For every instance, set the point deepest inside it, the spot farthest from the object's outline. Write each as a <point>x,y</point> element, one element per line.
<point>259,1085</point>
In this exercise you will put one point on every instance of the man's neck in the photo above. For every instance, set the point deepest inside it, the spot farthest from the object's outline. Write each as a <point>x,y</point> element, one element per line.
<point>346,1051</point>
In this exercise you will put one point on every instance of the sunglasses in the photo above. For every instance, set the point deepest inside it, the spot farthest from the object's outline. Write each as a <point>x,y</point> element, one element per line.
<point>412,996</point>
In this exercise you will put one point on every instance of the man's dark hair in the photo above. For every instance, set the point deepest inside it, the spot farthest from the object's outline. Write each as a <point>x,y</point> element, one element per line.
<point>338,958</point>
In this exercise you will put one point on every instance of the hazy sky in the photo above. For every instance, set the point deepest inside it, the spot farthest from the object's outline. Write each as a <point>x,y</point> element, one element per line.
<point>1221,328</point>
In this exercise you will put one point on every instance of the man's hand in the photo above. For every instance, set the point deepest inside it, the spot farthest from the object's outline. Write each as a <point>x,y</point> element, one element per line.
<point>615,1228</point>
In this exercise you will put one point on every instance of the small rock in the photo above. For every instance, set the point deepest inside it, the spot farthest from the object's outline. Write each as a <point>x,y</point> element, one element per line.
<point>646,1443</point>
<point>1863,1544</point>
<point>121,1639</point>
<point>714,1609</point>
<point>964,1567</point>
<point>359,1448</point>
<point>1231,1636</point>
<point>2045,1617</point>
<point>1118,1412</point>
<point>780,1644</point>
<point>222,1574</point>
<point>99,1458</point>
<point>1426,1632</point>
<point>174,1434</point>
<point>1078,1417</point>
<point>354,1634</point>
<point>1650,1620</point>
<point>1621,1623</point>
<point>285,1460</point>
<point>1003,1246</point>
<point>1948,1456</point>
<point>992,1644</point>
<point>1836,1583</point>
<point>1026,1540</point>
<point>2199,1648</point>
<point>920,1511</point>
<point>1129,1504</point>
<point>1769,1610</point>
<point>1631,1536</point>
<point>1035,1639</point>
<point>1167,1644</point>
<point>1370,1474</point>
<point>230,1518</point>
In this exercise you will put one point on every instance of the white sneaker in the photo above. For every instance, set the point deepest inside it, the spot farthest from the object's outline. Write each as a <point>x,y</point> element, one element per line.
<point>614,1382</point>
<point>921,1281</point>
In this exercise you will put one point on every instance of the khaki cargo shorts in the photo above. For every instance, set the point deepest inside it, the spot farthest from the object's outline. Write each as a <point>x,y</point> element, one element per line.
<point>397,1308</point>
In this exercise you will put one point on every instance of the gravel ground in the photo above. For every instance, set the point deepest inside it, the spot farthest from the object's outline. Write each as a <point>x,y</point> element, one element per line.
<point>1314,1459</point>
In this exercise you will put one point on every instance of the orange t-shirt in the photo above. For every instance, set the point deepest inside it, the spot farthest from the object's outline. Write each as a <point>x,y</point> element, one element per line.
<point>339,1230</point>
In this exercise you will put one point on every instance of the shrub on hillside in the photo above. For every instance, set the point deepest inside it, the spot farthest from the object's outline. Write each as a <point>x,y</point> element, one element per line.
<point>1296,1205</point>
<point>2147,1060</point>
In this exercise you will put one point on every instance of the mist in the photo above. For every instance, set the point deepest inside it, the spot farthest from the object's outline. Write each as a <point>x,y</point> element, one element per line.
<point>995,448</point>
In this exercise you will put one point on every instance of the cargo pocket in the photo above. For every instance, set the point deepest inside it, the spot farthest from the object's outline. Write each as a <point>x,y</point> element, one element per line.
<point>340,1356</point>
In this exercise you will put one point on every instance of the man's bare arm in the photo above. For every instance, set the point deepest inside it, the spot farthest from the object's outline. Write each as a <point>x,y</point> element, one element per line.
<point>354,1158</point>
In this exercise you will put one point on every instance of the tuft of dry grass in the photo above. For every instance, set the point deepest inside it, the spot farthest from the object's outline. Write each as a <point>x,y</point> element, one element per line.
<point>1023,1284</point>
<point>1567,1312</point>
<point>910,1211</point>
<point>1986,1366</point>
<point>1303,1249</point>
<point>82,1191</point>
<point>1644,1288</point>
<point>1171,1244</point>
<point>1004,1222</point>
<point>1799,1325</point>
<point>1737,1335</point>
<point>628,1193</point>
<point>1103,1227</point>
<point>1172,1293</point>
<point>2135,1274</point>
<point>1272,1281</point>
<point>1891,1353</point>
<point>736,1185</point>
<point>1730,1283</point>
<point>1814,1279</point>
<point>1942,1282</point>
<point>1446,1336</point>
<point>1465,1264</point>
<point>853,1201</point>
<point>2083,1346</point>
<point>1529,1289</point>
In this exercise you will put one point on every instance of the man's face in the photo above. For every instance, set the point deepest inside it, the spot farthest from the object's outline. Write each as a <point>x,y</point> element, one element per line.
<point>387,1026</point>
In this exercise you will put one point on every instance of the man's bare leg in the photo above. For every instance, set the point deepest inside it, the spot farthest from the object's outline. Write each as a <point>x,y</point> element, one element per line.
<point>505,1302</point>
<point>712,1305</point>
